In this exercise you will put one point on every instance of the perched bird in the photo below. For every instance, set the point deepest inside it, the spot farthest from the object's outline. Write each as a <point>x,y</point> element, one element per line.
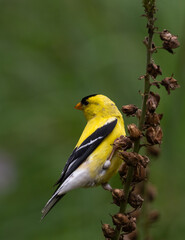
<point>92,161</point>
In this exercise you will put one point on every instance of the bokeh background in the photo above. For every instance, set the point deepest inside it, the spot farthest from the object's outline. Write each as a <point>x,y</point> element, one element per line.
<point>53,53</point>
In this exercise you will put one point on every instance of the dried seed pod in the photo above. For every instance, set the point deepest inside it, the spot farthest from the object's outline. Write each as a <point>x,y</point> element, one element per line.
<point>130,226</point>
<point>120,219</point>
<point>153,216</point>
<point>152,102</point>
<point>143,160</point>
<point>123,170</point>
<point>129,110</point>
<point>172,44</point>
<point>154,70</point>
<point>135,200</point>
<point>108,231</point>
<point>165,35</point>
<point>130,158</point>
<point>123,143</point>
<point>170,83</point>
<point>153,119</point>
<point>139,174</point>
<point>134,132</point>
<point>118,196</point>
<point>154,135</point>
<point>169,41</point>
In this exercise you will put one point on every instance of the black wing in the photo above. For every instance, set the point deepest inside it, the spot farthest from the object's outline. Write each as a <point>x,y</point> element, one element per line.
<point>80,154</point>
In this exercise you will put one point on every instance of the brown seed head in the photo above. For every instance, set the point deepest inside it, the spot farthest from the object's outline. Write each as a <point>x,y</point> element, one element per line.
<point>143,160</point>
<point>165,35</point>
<point>153,119</point>
<point>123,143</point>
<point>123,170</point>
<point>130,158</point>
<point>129,110</point>
<point>139,174</point>
<point>108,231</point>
<point>154,135</point>
<point>118,196</point>
<point>170,83</point>
<point>130,226</point>
<point>134,132</point>
<point>135,200</point>
<point>152,102</point>
<point>120,219</point>
<point>169,41</point>
<point>154,70</point>
<point>172,44</point>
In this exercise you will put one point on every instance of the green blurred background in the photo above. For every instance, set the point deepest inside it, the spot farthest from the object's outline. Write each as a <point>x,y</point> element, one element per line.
<point>53,53</point>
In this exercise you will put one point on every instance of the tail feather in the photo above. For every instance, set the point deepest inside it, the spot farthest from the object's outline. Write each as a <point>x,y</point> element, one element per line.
<point>50,204</point>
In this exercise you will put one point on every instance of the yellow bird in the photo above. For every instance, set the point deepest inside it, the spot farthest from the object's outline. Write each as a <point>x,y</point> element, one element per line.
<point>90,163</point>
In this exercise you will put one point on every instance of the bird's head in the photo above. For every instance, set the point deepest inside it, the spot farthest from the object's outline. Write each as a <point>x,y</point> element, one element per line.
<point>98,105</point>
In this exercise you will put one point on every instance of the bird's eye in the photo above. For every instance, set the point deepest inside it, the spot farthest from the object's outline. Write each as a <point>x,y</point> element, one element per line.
<point>86,103</point>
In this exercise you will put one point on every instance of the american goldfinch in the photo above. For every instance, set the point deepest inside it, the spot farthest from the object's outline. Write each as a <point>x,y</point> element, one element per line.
<point>90,163</point>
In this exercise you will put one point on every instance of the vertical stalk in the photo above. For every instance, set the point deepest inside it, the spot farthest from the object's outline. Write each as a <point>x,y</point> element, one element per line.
<point>148,5</point>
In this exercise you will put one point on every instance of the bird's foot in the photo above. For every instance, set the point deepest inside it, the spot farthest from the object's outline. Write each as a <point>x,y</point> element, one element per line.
<point>107,187</point>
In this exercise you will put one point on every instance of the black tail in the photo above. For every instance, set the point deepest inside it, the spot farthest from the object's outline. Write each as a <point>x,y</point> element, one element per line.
<point>50,204</point>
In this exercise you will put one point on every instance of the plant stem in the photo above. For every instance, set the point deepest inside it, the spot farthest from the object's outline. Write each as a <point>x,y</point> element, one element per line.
<point>147,85</point>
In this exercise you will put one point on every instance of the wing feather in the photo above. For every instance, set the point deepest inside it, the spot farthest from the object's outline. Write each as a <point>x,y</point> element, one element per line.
<point>80,154</point>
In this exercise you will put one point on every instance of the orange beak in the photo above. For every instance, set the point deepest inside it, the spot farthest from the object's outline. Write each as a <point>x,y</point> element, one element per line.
<point>79,106</point>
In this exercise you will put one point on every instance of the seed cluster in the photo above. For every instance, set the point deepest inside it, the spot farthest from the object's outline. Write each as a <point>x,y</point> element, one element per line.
<point>134,171</point>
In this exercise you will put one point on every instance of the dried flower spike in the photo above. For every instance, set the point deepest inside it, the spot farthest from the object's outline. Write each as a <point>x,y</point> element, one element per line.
<point>129,110</point>
<point>170,83</point>
<point>134,132</point>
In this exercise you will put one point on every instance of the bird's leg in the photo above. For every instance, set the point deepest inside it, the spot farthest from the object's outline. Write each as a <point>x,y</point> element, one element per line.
<point>106,165</point>
<point>108,161</point>
<point>107,187</point>
<point>112,153</point>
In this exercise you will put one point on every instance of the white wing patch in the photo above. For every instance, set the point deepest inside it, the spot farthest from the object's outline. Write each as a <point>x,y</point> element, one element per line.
<point>89,143</point>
